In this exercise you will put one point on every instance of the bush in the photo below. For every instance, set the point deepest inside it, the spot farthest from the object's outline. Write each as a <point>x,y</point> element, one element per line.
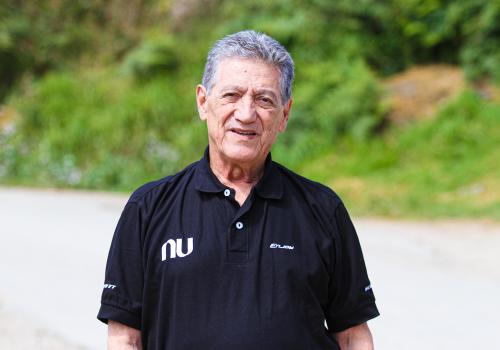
<point>153,57</point>
<point>98,132</point>
<point>334,99</point>
<point>438,167</point>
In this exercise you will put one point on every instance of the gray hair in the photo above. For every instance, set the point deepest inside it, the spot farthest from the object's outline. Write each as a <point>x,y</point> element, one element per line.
<point>251,44</point>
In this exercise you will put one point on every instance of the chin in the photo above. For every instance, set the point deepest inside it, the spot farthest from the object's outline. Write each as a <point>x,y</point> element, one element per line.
<point>242,153</point>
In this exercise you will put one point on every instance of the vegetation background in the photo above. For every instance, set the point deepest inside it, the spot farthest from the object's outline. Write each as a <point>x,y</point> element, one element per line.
<point>397,104</point>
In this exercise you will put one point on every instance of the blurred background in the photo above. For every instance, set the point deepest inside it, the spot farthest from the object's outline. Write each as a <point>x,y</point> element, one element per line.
<point>396,107</point>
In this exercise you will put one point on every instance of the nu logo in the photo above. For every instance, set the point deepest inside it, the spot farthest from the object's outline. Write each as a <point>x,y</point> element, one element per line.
<point>176,248</point>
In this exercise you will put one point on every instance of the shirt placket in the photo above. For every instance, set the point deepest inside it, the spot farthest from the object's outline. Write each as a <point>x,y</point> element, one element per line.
<point>237,242</point>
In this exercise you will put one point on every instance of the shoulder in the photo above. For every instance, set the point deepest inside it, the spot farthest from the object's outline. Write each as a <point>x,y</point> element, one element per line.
<point>154,189</point>
<point>311,191</point>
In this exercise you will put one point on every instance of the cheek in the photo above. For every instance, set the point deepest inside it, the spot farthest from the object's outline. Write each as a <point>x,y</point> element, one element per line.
<point>214,129</point>
<point>221,115</point>
<point>215,126</point>
<point>273,125</point>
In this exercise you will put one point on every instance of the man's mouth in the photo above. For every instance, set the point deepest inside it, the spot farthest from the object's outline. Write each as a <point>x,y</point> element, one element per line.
<point>244,132</point>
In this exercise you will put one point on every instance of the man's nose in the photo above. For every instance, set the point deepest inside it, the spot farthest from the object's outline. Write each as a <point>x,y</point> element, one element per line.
<point>245,110</point>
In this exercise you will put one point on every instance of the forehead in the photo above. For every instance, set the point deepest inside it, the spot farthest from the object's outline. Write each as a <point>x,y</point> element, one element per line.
<point>247,72</point>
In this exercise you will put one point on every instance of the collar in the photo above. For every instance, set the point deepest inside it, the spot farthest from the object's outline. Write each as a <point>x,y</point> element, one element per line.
<point>269,186</point>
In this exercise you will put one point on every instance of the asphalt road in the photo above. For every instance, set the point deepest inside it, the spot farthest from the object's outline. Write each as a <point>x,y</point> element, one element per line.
<point>437,283</point>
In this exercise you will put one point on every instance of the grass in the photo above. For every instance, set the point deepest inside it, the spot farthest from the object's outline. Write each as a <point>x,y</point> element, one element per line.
<point>444,167</point>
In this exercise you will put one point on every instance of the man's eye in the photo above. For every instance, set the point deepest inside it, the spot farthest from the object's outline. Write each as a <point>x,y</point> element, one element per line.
<point>230,95</point>
<point>266,101</point>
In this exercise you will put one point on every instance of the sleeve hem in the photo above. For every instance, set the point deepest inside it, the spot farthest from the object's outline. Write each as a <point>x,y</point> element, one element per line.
<point>356,318</point>
<point>111,312</point>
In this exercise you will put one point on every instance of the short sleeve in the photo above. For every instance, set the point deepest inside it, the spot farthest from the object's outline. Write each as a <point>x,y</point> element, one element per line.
<point>351,298</point>
<point>121,299</point>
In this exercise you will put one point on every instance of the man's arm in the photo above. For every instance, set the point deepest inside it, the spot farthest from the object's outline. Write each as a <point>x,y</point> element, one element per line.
<point>121,337</point>
<point>355,338</point>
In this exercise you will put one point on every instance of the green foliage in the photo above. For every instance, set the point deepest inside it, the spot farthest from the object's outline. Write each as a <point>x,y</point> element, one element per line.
<point>153,57</point>
<point>38,36</point>
<point>481,54</point>
<point>97,132</point>
<point>440,167</point>
<point>333,99</point>
<point>44,35</point>
<point>104,93</point>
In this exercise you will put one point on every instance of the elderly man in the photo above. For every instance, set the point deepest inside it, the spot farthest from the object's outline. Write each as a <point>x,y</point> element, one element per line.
<point>236,251</point>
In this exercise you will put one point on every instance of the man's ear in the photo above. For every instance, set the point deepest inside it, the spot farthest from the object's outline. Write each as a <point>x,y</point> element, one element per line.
<point>285,115</point>
<point>201,101</point>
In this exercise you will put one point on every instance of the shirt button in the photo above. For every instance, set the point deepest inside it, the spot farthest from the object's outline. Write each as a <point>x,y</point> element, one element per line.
<point>227,192</point>
<point>239,225</point>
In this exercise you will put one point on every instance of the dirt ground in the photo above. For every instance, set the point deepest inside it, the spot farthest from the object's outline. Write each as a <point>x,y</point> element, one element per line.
<point>419,92</point>
<point>437,283</point>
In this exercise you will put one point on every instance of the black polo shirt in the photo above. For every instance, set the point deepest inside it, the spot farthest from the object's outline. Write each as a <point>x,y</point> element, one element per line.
<point>192,269</point>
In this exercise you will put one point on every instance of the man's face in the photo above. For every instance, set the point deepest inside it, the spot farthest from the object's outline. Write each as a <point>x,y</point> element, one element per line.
<point>244,111</point>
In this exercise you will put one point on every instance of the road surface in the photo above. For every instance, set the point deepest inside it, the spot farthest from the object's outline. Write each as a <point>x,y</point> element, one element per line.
<point>437,283</point>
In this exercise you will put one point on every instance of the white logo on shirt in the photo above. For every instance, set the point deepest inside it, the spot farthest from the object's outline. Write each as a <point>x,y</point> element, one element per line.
<point>176,248</point>
<point>368,287</point>
<point>279,246</point>
<point>109,286</point>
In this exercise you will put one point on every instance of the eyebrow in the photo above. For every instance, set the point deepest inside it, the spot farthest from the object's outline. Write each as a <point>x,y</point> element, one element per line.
<point>231,87</point>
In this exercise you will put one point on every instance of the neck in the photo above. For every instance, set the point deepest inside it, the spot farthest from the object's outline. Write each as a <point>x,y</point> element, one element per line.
<point>242,177</point>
